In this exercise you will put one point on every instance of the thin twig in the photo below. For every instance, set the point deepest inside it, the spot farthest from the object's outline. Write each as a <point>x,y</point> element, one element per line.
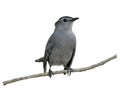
<point>61,71</point>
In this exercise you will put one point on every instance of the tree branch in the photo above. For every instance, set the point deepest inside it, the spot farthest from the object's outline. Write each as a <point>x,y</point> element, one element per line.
<point>61,71</point>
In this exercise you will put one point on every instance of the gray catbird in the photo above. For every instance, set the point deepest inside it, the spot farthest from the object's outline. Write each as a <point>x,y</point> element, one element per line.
<point>61,46</point>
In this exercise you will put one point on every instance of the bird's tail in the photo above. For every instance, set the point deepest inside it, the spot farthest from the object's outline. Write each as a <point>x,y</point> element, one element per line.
<point>44,66</point>
<point>40,59</point>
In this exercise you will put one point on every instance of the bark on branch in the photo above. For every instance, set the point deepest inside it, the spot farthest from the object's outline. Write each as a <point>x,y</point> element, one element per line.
<point>61,71</point>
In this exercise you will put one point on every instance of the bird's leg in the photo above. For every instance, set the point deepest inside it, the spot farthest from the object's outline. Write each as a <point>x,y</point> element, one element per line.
<point>50,73</point>
<point>69,70</point>
<point>65,69</point>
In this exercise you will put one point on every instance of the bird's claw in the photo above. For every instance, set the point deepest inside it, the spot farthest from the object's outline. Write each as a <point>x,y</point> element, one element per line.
<point>50,73</point>
<point>69,70</point>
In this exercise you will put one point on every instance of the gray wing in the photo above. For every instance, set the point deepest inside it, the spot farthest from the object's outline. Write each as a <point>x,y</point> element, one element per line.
<point>49,47</point>
<point>71,60</point>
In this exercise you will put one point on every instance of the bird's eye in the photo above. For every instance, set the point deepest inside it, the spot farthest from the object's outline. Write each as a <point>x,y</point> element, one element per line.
<point>64,20</point>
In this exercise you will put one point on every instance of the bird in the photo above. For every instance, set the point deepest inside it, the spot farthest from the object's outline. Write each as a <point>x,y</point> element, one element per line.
<point>61,46</point>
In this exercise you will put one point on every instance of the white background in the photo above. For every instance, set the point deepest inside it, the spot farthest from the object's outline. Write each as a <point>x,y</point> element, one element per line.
<point>25,26</point>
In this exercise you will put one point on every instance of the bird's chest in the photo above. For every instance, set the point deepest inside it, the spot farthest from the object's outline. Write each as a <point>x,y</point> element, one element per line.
<point>63,48</point>
<point>65,40</point>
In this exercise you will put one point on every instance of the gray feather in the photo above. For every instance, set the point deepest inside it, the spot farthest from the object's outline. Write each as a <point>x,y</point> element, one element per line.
<point>61,46</point>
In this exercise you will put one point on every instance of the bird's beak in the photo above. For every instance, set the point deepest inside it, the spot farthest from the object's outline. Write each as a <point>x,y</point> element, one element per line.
<point>73,19</point>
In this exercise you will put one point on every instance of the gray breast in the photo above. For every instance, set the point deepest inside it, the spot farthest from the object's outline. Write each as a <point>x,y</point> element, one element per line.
<point>63,48</point>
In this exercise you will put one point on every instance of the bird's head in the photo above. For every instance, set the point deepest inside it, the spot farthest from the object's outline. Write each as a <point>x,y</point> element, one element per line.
<point>65,22</point>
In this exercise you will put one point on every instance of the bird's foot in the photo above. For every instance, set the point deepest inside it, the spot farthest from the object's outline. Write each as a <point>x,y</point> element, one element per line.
<point>69,70</point>
<point>50,73</point>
